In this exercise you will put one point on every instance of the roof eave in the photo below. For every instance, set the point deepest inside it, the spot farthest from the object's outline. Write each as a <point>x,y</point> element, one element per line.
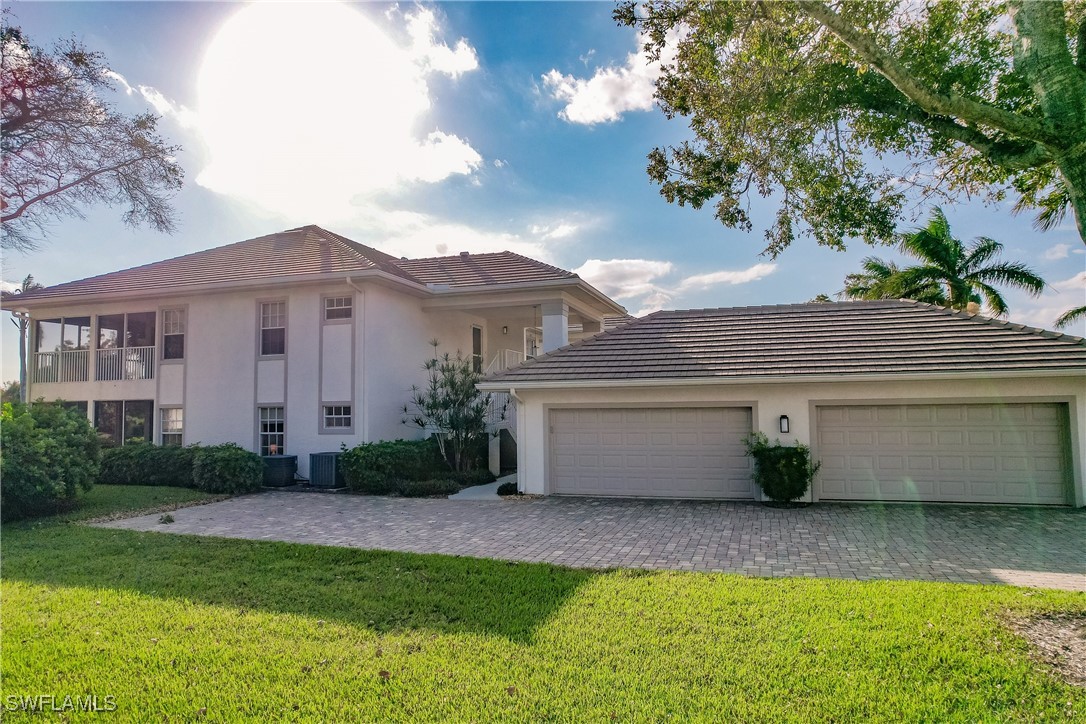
<point>505,385</point>
<point>576,281</point>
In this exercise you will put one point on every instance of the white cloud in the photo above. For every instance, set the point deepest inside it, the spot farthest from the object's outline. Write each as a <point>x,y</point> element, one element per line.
<point>317,134</point>
<point>1043,311</point>
<point>499,163</point>
<point>550,232</point>
<point>1075,283</point>
<point>1058,251</point>
<point>612,90</point>
<point>434,55</point>
<point>163,106</point>
<point>6,286</point>
<point>646,280</point>
<point>118,78</point>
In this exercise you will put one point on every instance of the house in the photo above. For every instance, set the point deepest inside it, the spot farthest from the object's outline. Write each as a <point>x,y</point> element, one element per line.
<point>900,401</point>
<point>295,342</point>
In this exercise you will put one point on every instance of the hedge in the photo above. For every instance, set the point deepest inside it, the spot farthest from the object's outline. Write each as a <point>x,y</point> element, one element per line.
<point>426,488</point>
<point>224,468</point>
<point>47,454</point>
<point>378,468</point>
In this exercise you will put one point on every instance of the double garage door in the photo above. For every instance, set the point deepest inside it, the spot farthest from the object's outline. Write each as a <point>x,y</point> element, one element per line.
<point>965,453</point>
<point>953,453</point>
<point>651,452</point>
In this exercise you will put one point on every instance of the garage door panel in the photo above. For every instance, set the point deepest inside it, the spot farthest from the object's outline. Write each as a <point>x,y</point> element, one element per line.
<point>992,453</point>
<point>657,452</point>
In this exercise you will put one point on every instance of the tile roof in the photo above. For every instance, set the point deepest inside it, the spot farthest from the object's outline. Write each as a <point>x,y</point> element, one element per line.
<point>298,252</point>
<point>842,338</point>
<point>464,270</point>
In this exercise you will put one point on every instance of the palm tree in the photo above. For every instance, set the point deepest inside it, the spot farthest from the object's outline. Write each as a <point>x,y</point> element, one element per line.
<point>951,273</point>
<point>1070,317</point>
<point>22,321</point>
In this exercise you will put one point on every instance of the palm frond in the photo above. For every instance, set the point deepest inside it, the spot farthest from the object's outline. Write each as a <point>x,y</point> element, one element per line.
<point>1070,317</point>
<point>1013,274</point>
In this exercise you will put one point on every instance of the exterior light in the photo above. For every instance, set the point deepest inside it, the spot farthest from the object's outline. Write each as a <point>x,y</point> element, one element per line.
<point>784,423</point>
<point>505,330</point>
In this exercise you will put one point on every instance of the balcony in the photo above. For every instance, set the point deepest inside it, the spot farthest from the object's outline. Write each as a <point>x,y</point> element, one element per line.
<point>70,365</point>
<point>125,363</point>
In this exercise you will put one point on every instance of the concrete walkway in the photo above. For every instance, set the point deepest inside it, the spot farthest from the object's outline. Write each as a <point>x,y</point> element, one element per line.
<point>1022,546</point>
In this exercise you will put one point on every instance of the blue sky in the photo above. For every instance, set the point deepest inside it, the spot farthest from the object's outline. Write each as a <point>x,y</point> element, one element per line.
<point>434,129</point>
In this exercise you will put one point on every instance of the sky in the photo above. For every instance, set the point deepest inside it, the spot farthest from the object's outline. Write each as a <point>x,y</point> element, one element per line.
<point>433,129</point>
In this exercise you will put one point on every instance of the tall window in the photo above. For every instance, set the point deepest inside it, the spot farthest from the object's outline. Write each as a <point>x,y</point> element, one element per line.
<point>173,334</point>
<point>173,425</point>
<point>337,417</point>
<point>272,431</point>
<point>121,421</point>
<point>273,328</point>
<point>337,308</point>
<point>477,349</point>
<point>126,346</point>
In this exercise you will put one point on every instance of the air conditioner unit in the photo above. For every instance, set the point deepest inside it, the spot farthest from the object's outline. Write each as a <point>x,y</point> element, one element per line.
<point>324,470</point>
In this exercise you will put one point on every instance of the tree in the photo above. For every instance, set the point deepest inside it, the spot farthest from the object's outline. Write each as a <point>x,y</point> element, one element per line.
<point>814,103</point>
<point>451,406</point>
<point>1071,316</point>
<point>65,147</point>
<point>22,321</point>
<point>11,392</point>
<point>950,274</point>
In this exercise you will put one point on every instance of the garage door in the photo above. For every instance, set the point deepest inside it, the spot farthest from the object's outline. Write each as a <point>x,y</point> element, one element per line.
<point>660,453</point>
<point>1015,453</point>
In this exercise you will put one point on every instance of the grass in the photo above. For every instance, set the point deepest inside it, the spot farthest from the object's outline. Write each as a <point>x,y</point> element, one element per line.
<point>179,626</point>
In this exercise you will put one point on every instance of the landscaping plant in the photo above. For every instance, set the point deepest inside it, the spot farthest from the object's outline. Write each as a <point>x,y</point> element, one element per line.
<point>783,472</point>
<point>450,406</point>
<point>379,468</point>
<point>227,468</point>
<point>49,453</point>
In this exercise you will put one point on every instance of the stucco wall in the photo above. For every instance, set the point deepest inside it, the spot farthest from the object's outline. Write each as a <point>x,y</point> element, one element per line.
<point>797,401</point>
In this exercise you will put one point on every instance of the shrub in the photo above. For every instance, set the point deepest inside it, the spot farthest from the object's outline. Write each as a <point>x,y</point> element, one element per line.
<point>145,464</point>
<point>425,488</point>
<point>509,488</point>
<point>469,478</point>
<point>49,453</point>
<point>227,468</point>
<point>783,472</point>
<point>377,468</point>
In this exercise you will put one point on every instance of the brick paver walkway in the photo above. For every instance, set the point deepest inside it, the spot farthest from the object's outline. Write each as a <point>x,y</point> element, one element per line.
<point>1021,546</point>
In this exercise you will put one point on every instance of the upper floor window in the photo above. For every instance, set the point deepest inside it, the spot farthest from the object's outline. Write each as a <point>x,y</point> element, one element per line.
<point>63,335</point>
<point>117,331</point>
<point>477,349</point>
<point>338,308</point>
<point>337,417</point>
<point>273,328</point>
<point>173,334</point>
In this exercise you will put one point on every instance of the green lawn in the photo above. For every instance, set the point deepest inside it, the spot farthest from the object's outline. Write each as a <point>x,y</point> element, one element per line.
<point>172,625</point>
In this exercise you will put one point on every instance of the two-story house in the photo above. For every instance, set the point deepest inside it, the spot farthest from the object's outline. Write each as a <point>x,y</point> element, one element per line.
<point>293,342</point>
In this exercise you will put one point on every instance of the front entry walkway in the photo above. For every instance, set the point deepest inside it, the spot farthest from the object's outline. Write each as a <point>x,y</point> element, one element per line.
<point>1021,546</point>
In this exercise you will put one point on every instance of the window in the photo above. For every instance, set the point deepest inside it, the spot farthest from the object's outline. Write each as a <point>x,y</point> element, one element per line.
<point>337,417</point>
<point>477,349</point>
<point>173,426</point>
<point>273,328</point>
<point>63,335</point>
<point>126,347</point>
<point>337,308</point>
<point>173,334</point>
<point>121,421</point>
<point>77,405</point>
<point>272,431</point>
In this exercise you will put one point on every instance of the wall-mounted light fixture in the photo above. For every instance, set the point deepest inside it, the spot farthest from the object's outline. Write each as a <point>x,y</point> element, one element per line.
<point>784,423</point>
<point>505,330</point>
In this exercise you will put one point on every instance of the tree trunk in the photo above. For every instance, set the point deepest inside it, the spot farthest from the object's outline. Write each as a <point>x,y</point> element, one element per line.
<point>1073,170</point>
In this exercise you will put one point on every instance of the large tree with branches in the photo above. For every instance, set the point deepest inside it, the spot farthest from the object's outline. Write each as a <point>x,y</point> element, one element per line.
<point>841,109</point>
<point>65,147</point>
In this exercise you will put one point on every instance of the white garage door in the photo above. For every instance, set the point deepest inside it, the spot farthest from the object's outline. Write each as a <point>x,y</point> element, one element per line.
<point>659,453</point>
<point>965,453</point>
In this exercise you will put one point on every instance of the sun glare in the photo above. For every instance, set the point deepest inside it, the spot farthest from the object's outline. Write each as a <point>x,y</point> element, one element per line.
<point>306,107</point>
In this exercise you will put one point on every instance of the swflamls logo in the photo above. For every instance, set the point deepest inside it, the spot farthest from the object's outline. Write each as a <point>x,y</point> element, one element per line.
<point>51,702</point>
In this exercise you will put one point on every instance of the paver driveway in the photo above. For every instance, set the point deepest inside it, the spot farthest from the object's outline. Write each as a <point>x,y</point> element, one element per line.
<point>1023,546</point>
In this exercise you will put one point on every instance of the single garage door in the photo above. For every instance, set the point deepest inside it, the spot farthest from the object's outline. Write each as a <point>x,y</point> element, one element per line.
<point>661,453</point>
<point>962,453</point>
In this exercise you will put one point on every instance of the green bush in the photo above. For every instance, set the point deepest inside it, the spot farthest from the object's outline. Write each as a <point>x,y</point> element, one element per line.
<point>508,489</point>
<point>49,452</point>
<point>469,478</point>
<point>145,464</point>
<point>426,488</point>
<point>783,472</point>
<point>227,468</point>
<point>378,468</point>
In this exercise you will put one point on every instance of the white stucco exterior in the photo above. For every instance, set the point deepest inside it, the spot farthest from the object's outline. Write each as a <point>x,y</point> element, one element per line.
<point>798,400</point>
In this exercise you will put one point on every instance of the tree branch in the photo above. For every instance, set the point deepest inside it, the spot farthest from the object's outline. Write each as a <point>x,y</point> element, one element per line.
<point>64,187</point>
<point>953,105</point>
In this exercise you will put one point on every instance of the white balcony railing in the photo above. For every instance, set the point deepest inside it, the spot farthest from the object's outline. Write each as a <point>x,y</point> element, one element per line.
<point>127,363</point>
<point>70,365</point>
<point>503,360</point>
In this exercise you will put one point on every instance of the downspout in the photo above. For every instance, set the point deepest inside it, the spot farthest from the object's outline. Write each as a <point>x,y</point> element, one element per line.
<point>365,347</point>
<point>521,449</point>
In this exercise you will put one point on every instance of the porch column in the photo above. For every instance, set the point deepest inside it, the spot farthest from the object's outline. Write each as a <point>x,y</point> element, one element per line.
<point>555,325</point>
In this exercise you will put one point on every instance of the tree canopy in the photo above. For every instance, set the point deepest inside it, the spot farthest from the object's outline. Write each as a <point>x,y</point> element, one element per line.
<point>65,147</point>
<point>951,273</point>
<point>844,111</point>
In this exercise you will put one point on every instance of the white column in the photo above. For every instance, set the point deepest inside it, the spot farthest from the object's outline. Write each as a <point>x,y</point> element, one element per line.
<point>555,325</point>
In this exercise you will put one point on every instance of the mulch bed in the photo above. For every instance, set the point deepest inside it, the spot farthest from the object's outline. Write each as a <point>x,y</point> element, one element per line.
<point>1059,641</point>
